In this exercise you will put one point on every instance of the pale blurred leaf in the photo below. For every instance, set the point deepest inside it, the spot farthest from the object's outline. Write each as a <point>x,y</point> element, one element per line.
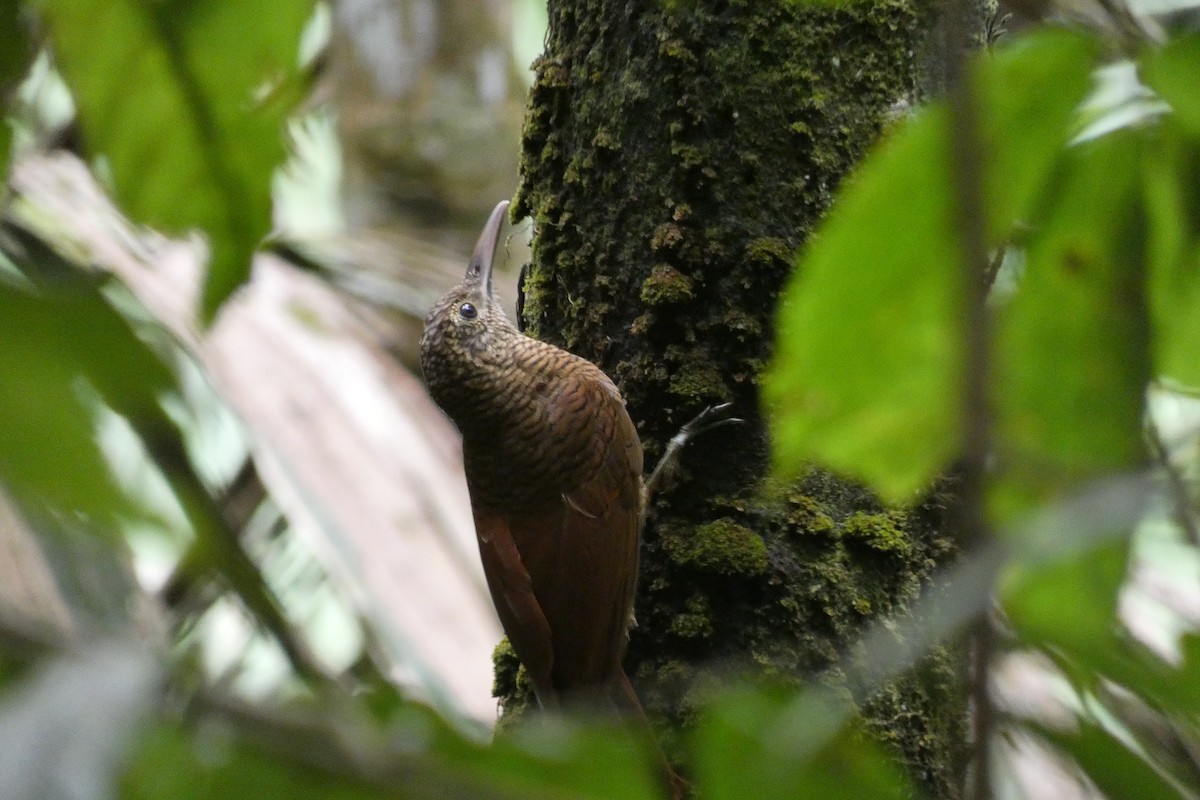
<point>66,728</point>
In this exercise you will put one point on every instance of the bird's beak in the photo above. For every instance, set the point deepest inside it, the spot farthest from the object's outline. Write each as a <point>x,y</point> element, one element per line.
<point>479,271</point>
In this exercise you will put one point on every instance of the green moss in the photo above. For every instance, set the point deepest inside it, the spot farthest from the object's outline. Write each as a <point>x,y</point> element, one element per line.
<point>739,320</point>
<point>551,74</point>
<point>677,50</point>
<point>510,685</point>
<point>769,249</point>
<point>721,547</point>
<point>606,141</point>
<point>641,325</point>
<point>665,285</point>
<point>692,373</point>
<point>507,665</point>
<point>689,156</point>
<point>808,516</point>
<point>696,621</point>
<point>879,531</point>
<point>667,237</point>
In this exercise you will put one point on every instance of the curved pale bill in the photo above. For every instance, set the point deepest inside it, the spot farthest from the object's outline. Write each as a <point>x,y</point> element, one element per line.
<point>480,267</point>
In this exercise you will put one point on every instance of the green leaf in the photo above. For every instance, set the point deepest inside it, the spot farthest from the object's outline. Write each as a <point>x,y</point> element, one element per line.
<point>1035,596</point>
<point>1070,609</point>
<point>48,452</point>
<point>1072,360</point>
<point>170,763</point>
<point>867,357</point>
<point>1173,71</point>
<point>67,355</point>
<point>186,102</point>
<point>1176,687</point>
<point>1024,131</point>
<point>753,743</point>
<point>552,756</point>
<point>14,60</point>
<point>866,372</point>
<point>1118,772</point>
<point>1171,186</point>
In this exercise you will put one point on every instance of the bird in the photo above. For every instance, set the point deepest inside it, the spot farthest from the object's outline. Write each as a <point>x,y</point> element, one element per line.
<point>553,465</point>
<point>554,470</point>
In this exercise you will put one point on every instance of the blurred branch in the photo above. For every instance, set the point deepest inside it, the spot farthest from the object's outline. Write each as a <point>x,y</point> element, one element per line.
<point>338,742</point>
<point>1172,742</point>
<point>967,161</point>
<point>221,549</point>
<point>994,265</point>
<point>24,638</point>
<point>1184,512</point>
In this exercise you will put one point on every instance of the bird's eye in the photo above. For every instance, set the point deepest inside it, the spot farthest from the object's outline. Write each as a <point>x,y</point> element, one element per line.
<point>467,311</point>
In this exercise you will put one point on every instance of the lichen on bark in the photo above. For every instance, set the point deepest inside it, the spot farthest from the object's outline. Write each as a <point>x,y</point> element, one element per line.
<point>675,158</point>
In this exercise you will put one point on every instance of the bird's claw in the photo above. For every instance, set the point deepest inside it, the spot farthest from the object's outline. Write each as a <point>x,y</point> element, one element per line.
<point>711,417</point>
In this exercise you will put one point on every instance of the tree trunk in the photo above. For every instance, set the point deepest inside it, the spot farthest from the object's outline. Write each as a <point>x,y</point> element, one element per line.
<point>675,157</point>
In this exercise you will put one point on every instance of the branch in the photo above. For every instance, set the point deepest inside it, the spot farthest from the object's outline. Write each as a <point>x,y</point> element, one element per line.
<point>967,161</point>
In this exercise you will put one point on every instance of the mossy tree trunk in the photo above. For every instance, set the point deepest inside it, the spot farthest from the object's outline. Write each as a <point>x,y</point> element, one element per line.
<point>676,156</point>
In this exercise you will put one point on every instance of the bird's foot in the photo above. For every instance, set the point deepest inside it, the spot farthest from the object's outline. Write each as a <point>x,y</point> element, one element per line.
<point>706,420</point>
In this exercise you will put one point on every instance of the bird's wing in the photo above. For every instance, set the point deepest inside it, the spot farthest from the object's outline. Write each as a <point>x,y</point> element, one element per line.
<point>563,571</point>
<point>589,567</point>
<point>511,588</point>
<point>610,449</point>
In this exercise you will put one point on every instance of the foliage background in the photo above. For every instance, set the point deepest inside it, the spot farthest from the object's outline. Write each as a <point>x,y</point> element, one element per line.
<point>161,579</point>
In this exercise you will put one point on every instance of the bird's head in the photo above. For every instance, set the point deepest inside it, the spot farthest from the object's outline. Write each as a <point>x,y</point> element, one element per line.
<point>469,317</point>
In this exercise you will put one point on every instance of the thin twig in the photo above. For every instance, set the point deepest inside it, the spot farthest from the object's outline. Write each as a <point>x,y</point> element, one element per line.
<point>1185,514</point>
<point>966,162</point>
<point>994,265</point>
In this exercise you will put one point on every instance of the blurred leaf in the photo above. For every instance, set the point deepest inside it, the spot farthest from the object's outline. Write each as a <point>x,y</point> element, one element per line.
<point>186,102</point>
<point>1164,739</point>
<point>72,349</point>
<point>1118,100</point>
<point>1173,71</point>
<point>1036,596</point>
<point>55,348</point>
<point>1119,773</point>
<point>867,353</point>
<point>551,756</point>
<point>14,48</point>
<point>1072,357</point>
<point>1173,687</point>
<point>1171,184</point>
<point>14,60</point>
<point>747,746</point>
<point>211,764</point>
<point>866,372</point>
<point>256,754</point>
<point>65,729</point>
<point>1023,132</point>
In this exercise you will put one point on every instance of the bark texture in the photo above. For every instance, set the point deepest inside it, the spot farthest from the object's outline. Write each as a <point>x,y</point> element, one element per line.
<point>676,155</point>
